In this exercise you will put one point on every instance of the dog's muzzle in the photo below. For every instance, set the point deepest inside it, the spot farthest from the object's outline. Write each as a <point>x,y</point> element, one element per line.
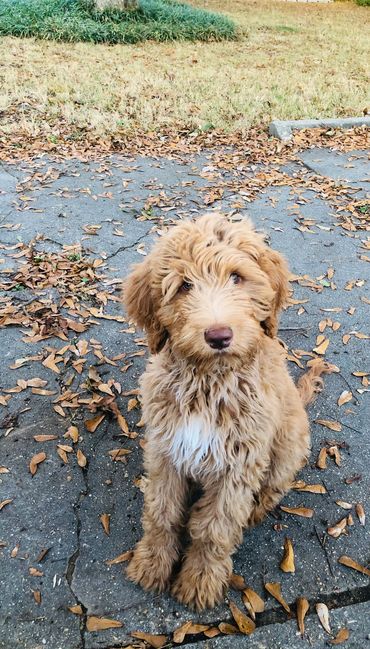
<point>218,337</point>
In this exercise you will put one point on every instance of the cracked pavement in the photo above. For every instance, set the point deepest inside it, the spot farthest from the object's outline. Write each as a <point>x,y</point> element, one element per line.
<point>126,202</point>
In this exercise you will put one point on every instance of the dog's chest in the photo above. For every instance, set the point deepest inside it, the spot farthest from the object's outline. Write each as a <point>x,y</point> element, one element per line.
<point>196,446</point>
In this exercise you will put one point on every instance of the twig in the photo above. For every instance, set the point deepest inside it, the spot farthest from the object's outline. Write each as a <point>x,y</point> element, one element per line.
<point>324,550</point>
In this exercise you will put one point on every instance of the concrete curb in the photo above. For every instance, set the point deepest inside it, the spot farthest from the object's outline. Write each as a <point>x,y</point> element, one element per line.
<point>283,130</point>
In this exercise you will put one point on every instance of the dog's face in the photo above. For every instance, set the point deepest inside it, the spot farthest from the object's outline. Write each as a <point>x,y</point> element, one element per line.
<point>211,287</point>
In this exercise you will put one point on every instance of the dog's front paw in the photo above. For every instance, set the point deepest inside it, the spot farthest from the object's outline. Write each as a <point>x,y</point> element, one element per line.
<point>151,567</point>
<point>202,587</point>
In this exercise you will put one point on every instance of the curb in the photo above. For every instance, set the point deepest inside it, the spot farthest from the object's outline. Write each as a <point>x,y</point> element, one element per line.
<point>283,130</point>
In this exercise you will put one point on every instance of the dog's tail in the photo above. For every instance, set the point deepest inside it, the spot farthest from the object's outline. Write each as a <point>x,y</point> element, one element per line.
<point>310,383</point>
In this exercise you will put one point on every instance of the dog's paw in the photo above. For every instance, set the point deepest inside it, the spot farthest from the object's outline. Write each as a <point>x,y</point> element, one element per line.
<point>150,567</point>
<point>201,588</point>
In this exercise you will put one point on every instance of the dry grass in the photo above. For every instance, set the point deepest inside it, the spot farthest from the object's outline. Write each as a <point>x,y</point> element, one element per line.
<point>292,61</point>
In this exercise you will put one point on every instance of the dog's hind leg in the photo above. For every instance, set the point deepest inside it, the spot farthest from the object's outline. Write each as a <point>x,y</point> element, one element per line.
<point>164,502</point>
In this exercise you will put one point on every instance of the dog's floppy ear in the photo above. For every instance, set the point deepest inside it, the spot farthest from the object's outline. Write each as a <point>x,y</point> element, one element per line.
<point>276,268</point>
<point>141,307</point>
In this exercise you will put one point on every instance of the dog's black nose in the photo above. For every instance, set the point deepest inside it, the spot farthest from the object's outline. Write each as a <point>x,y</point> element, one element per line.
<point>218,337</point>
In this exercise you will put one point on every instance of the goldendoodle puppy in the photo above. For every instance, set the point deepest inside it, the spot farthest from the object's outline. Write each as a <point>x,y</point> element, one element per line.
<point>219,404</point>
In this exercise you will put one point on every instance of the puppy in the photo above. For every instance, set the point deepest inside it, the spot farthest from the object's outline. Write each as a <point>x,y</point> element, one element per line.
<point>219,404</point>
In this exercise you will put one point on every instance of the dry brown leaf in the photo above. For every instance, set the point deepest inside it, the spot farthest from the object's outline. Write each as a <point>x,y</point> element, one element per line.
<point>132,403</point>
<point>72,433</point>
<point>36,460</point>
<point>312,488</point>
<point>342,636</point>
<point>156,641</point>
<point>343,504</point>
<point>345,397</point>
<point>346,338</point>
<point>350,520</point>
<point>339,528</point>
<point>180,633</point>
<point>44,438</point>
<point>35,572</point>
<point>94,623</point>
<point>323,613</point>
<point>37,596</point>
<point>253,602</point>
<point>322,347</point>
<point>63,455</point>
<point>49,362</point>
<point>237,582</point>
<point>274,589</point>
<point>105,521</point>
<point>302,609</point>
<point>245,624</point>
<point>360,513</point>
<point>351,563</point>
<point>76,610</point>
<point>227,629</point>
<point>104,387</point>
<point>5,502</point>
<point>3,469</point>
<point>92,424</point>
<point>287,564</point>
<point>333,425</point>
<point>125,556</point>
<point>212,632</point>
<point>81,459</point>
<point>120,419</point>
<point>118,454</point>
<point>333,451</point>
<point>321,460</point>
<point>306,512</point>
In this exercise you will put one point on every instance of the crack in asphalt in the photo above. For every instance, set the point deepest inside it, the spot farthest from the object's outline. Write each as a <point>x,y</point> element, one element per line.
<point>123,248</point>
<point>72,560</point>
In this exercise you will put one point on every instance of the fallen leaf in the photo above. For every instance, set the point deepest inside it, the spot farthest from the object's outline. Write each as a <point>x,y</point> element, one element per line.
<point>342,636</point>
<point>35,572</point>
<point>360,513</point>
<point>156,641</point>
<point>3,469</point>
<point>125,556</point>
<point>351,563</point>
<point>344,397</point>
<point>306,512</point>
<point>323,613</point>
<point>287,563</point>
<point>92,424</point>
<point>94,623</point>
<point>322,347</point>
<point>212,632</point>
<point>333,425</point>
<point>81,459</point>
<point>44,438</point>
<point>76,610</point>
<point>302,609</point>
<point>5,502</point>
<point>237,582</point>
<point>245,624</point>
<point>72,433</point>
<point>180,633</point>
<point>35,461</point>
<point>321,460</point>
<point>274,589</point>
<point>49,362</point>
<point>338,528</point>
<point>346,338</point>
<point>312,488</point>
<point>37,596</point>
<point>253,602</point>
<point>227,629</point>
<point>343,504</point>
<point>105,521</point>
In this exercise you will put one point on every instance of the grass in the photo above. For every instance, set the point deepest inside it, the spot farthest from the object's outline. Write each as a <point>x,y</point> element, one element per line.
<point>292,60</point>
<point>77,20</point>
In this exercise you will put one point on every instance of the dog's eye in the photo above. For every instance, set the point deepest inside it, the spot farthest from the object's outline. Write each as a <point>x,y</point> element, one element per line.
<point>235,278</point>
<point>185,286</point>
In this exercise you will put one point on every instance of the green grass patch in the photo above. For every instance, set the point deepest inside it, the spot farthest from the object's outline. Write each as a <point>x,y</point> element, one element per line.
<point>363,3</point>
<point>77,20</point>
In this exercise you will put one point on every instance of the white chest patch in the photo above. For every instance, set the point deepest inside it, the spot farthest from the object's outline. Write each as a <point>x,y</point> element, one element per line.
<point>197,447</point>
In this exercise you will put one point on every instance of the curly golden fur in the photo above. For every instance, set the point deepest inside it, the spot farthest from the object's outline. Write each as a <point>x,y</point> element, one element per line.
<point>219,404</point>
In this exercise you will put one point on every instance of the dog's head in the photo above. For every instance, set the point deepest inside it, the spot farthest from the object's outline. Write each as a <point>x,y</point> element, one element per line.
<point>210,286</point>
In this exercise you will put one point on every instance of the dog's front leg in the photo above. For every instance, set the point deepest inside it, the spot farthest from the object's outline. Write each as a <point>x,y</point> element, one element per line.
<point>215,527</point>
<point>164,501</point>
